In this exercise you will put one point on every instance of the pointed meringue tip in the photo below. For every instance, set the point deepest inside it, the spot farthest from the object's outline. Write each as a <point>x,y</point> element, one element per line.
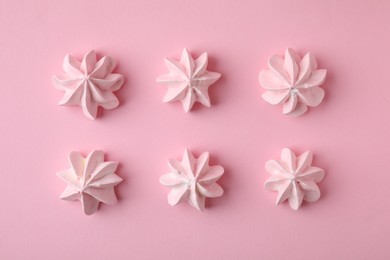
<point>173,203</point>
<point>99,151</point>
<point>161,181</point>
<point>262,96</point>
<point>113,202</point>
<point>88,213</point>
<point>187,108</point>
<point>89,116</point>
<point>187,153</point>
<point>295,114</point>
<point>186,52</point>
<point>289,50</point>
<point>55,81</point>
<point>74,152</point>
<point>198,208</point>
<point>119,179</point>
<point>204,54</point>
<point>261,73</point>
<point>289,113</point>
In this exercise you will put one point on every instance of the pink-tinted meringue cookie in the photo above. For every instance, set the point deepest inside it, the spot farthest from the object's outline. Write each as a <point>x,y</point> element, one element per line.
<point>90,180</point>
<point>89,84</point>
<point>192,180</point>
<point>188,80</point>
<point>293,81</point>
<point>294,178</point>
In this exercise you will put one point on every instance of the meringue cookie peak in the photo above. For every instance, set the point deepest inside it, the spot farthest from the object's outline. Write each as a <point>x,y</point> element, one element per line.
<point>90,180</point>
<point>192,180</point>
<point>89,84</point>
<point>188,80</point>
<point>294,178</point>
<point>293,81</point>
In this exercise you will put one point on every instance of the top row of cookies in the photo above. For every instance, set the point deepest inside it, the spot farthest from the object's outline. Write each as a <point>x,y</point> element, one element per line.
<point>290,80</point>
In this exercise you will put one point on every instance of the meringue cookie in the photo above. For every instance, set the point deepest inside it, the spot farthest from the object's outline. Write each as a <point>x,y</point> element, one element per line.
<point>90,180</point>
<point>293,81</point>
<point>89,84</point>
<point>192,180</point>
<point>294,178</point>
<point>188,80</point>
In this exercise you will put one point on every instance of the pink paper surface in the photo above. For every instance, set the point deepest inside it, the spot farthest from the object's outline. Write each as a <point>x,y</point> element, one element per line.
<point>348,133</point>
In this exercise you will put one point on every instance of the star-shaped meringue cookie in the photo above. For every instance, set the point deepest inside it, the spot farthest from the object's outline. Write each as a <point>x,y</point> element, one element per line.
<point>294,178</point>
<point>90,180</point>
<point>188,80</point>
<point>192,180</point>
<point>89,84</point>
<point>293,81</point>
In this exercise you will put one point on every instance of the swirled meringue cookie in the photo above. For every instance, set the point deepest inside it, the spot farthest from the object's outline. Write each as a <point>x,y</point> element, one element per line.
<point>293,82</point>
<point>89,83</point>
<point>188,81</point>
<point>90,180</point>
<point>294,178</point>
<point>193,180</point>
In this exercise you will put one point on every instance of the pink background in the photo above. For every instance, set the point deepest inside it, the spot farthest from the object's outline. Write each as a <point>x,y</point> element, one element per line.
<point>348,132</point>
